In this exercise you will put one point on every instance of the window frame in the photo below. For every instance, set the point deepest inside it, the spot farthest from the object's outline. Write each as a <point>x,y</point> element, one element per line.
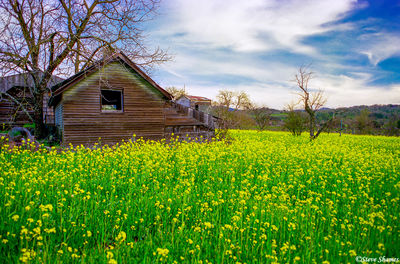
<point>121,90</point>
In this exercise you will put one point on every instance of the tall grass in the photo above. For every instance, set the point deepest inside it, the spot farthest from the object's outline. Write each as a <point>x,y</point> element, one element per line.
<point>264,197</point>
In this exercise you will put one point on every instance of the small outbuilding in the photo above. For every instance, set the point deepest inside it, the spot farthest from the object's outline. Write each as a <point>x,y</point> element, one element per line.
<point>196,102</point>
<point>18,88</point>
<point>113,99</point>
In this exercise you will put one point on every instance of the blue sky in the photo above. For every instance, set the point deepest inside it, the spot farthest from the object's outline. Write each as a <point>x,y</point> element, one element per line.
<point>258,45</point>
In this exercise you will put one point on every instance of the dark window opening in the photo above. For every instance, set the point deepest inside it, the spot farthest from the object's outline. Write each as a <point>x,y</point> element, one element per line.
<point>196,107</point>
<point>111,100</point>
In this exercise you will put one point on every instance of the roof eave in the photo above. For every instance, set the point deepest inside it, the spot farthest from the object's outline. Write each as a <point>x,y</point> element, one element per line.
<point>116,57</point>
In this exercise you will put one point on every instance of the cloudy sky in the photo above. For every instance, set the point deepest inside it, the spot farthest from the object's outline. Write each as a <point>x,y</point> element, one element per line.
<point>258,45</point>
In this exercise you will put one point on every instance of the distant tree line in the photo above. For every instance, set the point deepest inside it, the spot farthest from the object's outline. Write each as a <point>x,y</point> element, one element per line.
<point>360,120</point>
<point>236,110</point>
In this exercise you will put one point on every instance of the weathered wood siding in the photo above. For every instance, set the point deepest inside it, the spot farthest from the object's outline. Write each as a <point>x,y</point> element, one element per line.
<point>84,122</point>
<point>11,114</point>
<point>17,86</point>
<point>204,107</point>
<point>58,118</point>
<point>48,111</point>
<point>184,101</point>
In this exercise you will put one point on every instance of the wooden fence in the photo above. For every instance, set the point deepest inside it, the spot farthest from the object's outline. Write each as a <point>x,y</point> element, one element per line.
<point>206,119</point>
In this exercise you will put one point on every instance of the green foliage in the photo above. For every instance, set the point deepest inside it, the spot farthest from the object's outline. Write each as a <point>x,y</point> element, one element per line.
<point>232,119</point>
<point>261,117</point>
<point>265,197</point>
<point>378,119</point>
<point>392,127</point>
<point>295,122</point>
<point>14,133</point>
<point>279,115</point>
<point>32,125</point>
<point>363,123</point>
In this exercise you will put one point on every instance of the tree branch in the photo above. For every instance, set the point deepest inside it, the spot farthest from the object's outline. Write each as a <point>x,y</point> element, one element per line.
<point>19,104</point>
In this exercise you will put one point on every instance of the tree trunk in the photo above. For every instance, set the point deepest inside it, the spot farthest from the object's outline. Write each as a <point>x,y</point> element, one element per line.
<point>39,124</point>
<point>38,116</point>
<point>312,126</point>
<point>323,127</point>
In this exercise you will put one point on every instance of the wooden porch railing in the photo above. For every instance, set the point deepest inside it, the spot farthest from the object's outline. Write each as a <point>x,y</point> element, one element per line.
<point>206,119</point>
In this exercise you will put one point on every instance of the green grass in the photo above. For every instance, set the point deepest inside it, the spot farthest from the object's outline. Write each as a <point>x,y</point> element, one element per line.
<point>280,115</point>
<point>265,197</point>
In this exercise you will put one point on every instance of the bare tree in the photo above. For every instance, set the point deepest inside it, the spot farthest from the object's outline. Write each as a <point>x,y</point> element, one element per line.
<point>242,100</point>
<point>227,109</point>
<point>176,92</point>
<point>225,98</point>
<point>232,99</point>
<point>311,101</point>
<point>46,37</point>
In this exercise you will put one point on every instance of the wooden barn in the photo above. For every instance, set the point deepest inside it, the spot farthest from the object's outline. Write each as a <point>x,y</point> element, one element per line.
<point>114,100</point>
<point>18,87</point>
<point>197,102</point>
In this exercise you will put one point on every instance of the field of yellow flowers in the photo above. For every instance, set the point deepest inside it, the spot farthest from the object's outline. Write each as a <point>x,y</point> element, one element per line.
<point>263,197</point>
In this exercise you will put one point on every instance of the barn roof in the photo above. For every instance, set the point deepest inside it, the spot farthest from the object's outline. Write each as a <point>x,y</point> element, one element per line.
<point>196,98</point>
<point>59,88</point>
<point>24,80</point>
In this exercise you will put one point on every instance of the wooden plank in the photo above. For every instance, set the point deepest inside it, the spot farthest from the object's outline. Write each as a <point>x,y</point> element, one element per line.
<point>143,111</point>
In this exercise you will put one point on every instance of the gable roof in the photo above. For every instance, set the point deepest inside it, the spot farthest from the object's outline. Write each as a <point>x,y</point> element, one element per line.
<point>59,88</point>
<point>195,98</point>
<point>24,80</point>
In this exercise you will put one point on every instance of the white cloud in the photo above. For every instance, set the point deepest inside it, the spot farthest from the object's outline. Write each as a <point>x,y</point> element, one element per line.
<point>238,66</point>
<point>344,90</point>
<point>379,46</point>
<point>254,25</point>
<point>217,42</point>
<point>340,90</point>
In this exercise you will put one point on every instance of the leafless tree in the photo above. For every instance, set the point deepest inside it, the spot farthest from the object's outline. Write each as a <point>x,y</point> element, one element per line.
<point>46,37</point>
<point>225,98</point>
<point>226,108</point>
<point>232,99</point>
<point>242,101</point>
<point>176,92</point>
<point>312,101</point>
